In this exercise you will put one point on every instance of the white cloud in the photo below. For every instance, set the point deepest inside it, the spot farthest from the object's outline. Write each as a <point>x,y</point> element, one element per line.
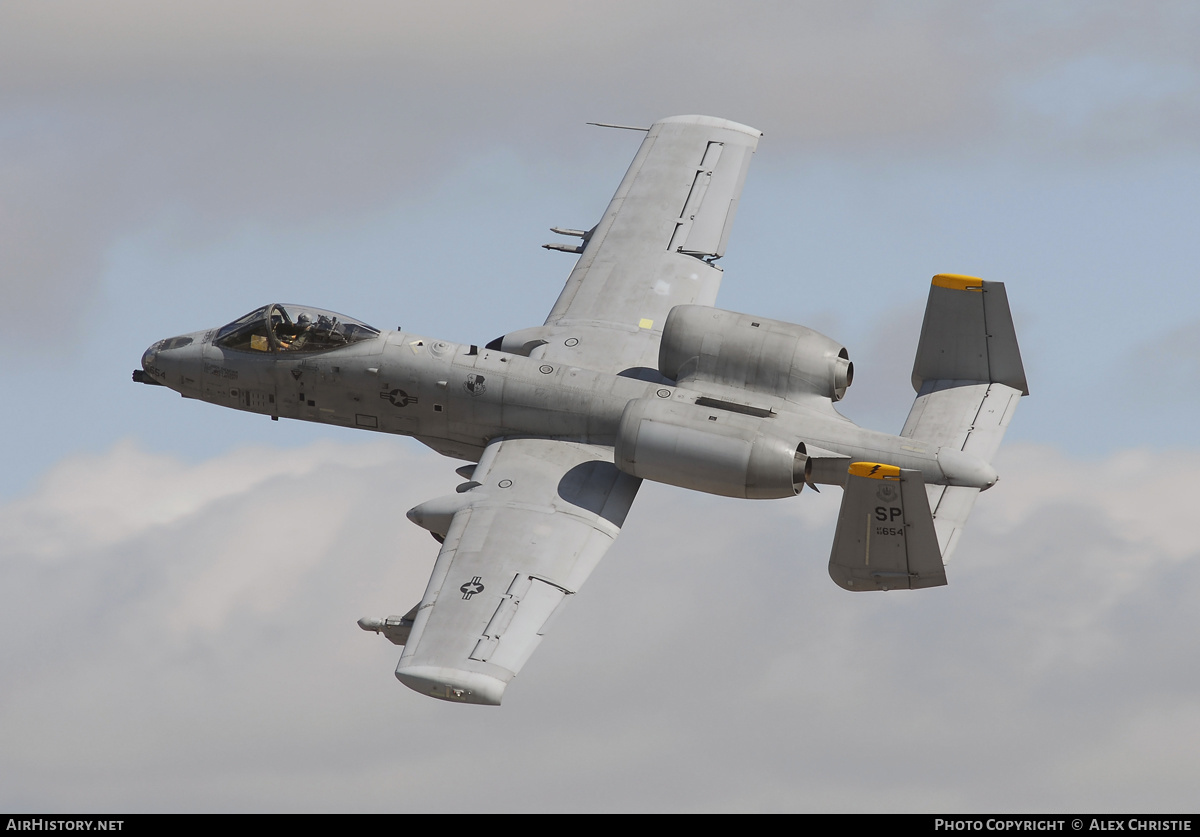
<point>116,117</point>
<point>206,657</point>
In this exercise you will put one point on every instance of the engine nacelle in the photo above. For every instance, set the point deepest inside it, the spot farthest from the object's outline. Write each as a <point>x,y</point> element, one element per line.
<point>708,449</point>
<point>703,344</point>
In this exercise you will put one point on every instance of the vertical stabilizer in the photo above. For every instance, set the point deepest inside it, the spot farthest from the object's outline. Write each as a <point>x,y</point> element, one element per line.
<point>885,537</point>
<point>968,335</point>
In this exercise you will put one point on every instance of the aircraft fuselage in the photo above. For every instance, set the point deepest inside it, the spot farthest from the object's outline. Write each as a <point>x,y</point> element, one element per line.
<point>456,398</point>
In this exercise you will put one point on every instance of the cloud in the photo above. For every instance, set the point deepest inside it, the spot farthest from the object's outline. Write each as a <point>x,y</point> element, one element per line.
<point>187,642</point>
<point>201,119</point>
<point>883,355</point>
<point>851,70</point>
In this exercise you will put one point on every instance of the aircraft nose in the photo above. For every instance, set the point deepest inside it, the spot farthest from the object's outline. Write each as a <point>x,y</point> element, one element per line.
<point>174,362</point>
<point>150,356</point>
<point>150,363</point>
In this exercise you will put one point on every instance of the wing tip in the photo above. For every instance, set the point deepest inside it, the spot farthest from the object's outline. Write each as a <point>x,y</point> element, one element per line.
<point>713,122</point>
<point>453,684</point>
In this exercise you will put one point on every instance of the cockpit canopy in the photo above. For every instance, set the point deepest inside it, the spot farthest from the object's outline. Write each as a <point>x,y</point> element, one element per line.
<point>292,328</point>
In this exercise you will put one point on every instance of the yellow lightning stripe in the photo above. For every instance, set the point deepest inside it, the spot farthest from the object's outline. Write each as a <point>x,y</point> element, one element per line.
<point>874,470</point>
<point>958,283</point>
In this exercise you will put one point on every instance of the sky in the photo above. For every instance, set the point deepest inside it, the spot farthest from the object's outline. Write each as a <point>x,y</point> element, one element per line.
<point>181,583</point>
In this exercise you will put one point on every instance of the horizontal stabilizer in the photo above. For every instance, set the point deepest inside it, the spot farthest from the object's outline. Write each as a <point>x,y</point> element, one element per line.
<point>969,377</point>
<point>968,335</point>
<point>885,538</point>
<point>967,417</point>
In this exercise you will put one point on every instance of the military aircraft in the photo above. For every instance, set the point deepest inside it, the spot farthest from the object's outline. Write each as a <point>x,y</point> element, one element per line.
<point>634,375</point>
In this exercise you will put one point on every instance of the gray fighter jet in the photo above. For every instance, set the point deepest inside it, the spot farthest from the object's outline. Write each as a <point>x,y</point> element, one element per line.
<point>634,375</point>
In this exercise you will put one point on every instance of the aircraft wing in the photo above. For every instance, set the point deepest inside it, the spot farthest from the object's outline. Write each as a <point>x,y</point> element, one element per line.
<point>654,247</point>
<point>528,535</point>
<point>523,540</point>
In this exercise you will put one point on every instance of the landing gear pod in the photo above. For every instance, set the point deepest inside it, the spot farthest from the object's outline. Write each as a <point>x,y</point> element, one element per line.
<point>394,628</point>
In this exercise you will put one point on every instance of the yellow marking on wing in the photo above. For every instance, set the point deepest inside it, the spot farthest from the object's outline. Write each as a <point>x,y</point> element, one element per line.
<point>955,282</point>
<point>874,470</point>
<point>644,323</point>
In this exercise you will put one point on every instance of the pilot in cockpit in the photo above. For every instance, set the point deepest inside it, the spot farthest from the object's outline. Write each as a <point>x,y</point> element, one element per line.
<point>304,330</point>
<point>272,329</point>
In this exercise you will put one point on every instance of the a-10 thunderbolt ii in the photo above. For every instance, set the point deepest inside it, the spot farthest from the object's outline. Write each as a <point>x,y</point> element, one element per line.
<point>634,375</point>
